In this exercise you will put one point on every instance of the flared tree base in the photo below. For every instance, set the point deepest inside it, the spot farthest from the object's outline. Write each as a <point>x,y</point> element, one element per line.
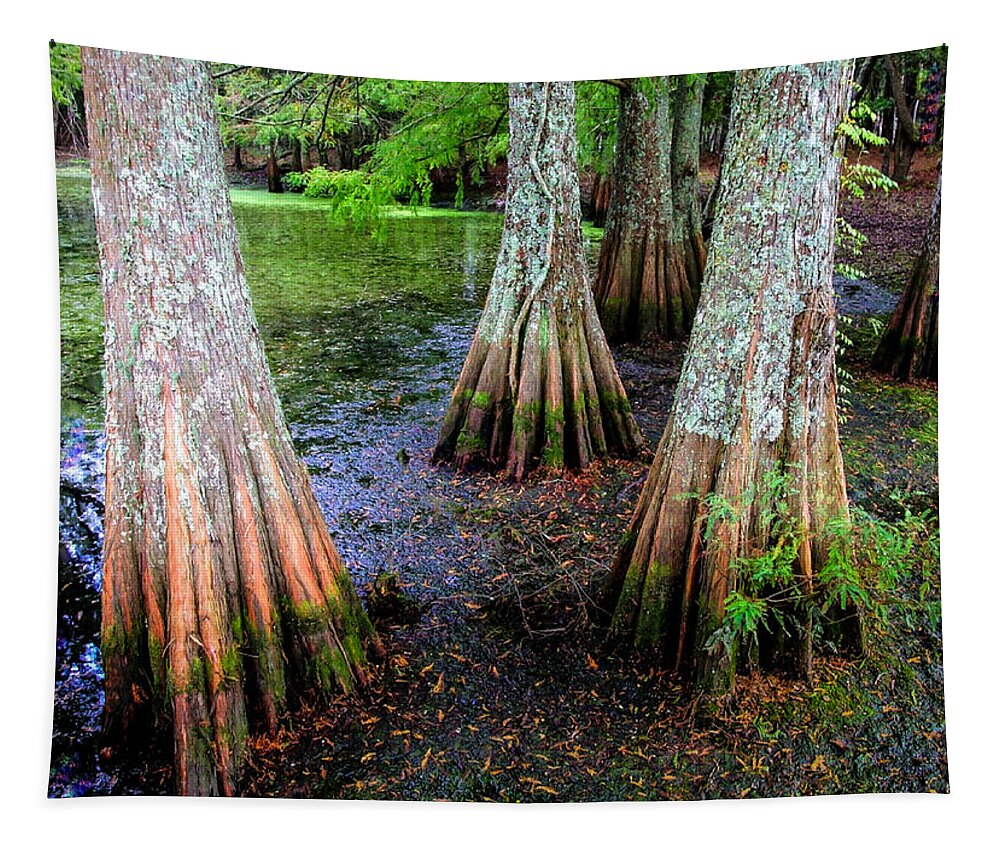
<point>253,605</point>
<point>699,524</point>
<point>642,288</point>
<point>561,404</point>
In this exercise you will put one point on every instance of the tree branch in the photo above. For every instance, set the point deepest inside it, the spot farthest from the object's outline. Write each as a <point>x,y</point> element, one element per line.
<point>338,82</point>
<point>259,121</point>
<point>218,75</point>
<point>282,93</point>
<point>474,138</point>
<point>432,114</point>
<point>621,85</point>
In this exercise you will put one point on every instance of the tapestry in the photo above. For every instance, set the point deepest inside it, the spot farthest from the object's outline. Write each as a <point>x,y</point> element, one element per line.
<point>530,442</point>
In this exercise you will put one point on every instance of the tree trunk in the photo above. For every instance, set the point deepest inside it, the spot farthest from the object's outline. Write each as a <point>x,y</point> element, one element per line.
<point>223,593</point>
<point>272,170</point>
<point>539,381</point>
<point>906,137</point>
<point>689,94</point>
<point>642,284</point>
<point>711,203</point>
<point>904,151</point>
<point>908,348</point>
<point>888,129</point>
<point>237,157</point>
<point>600,199</point>
<point>863,79</point>
<point>756,397</point>
<point>297,156</point>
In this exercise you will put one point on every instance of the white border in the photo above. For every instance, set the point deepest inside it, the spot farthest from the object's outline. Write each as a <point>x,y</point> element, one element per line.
<point>504,40</point>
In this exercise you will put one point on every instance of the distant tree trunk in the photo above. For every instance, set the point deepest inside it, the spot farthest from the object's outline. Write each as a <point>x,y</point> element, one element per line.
<point>297,156</point>
<point>757,391</point>
<point>642,285</point>
<point>324,156</point>
<point>689,95</point>
<point>539,380</point>
<point>223,593</point>
<point>906,137</point>
<point>712,202</point>
<point>601,198</point>
<point>863,78</point>
<point>272,170</point>
<point>908,348</point>
<point>888,124</point>
<point>237,157</point>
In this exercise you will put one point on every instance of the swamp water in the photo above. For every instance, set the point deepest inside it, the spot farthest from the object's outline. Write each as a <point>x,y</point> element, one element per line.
<point>364,340</point>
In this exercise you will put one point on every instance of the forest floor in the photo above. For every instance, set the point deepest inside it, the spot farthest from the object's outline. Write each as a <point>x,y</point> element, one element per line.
<point>496,685</point>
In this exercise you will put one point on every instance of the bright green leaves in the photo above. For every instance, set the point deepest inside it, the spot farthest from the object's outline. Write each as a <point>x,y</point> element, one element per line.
<point>416,130</point>
<point>857,177</point>
<point>356,196</point>
<point>868,562</point>
<point>596,125</point>
<point>450,126</point>
<point>67,79</point>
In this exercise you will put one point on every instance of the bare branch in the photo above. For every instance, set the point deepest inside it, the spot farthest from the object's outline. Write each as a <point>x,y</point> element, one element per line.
<point>218,75</point>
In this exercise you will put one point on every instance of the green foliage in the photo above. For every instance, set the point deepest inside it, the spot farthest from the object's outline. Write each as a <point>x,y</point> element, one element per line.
<point>870,561</point>
<point>66,75</point>
<point>845,340</point>
<point>394,137</point>
<point>857,178</point>
<point>851,240</point>
<point>320,182</point>
<point>596,125</point>
<point>765,581</point>
<point>718,98</point>
<point>258,106</point>
<point>356,196</point>
<point>458,127</point>
<point>455,127</point>
<point>853,128</point>
<point>873,560</point>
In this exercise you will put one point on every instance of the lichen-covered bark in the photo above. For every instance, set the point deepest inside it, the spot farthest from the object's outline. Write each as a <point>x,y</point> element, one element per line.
<point>222,592</point>
<point>908,348</point>
<point>539,383</point>
<point>689,95</point>
<point>642,284</point>
<point>757,390</point>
